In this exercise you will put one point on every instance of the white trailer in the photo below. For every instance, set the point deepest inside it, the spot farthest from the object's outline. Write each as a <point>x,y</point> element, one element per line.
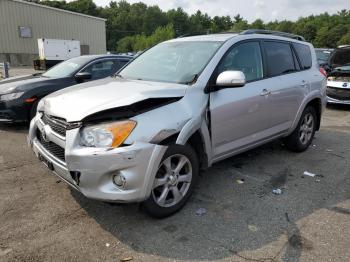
<point>53,51</point>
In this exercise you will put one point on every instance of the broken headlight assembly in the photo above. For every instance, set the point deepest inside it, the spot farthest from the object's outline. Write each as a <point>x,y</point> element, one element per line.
<point>109,135</point>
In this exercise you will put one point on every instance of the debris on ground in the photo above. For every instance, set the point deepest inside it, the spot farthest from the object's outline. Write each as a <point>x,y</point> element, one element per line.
<point>240,181</point>
<point>277,191</point>
<point>107,244</point>
<point>329,150</point>
<point>333,154</point>
<point>201,211</point>
<point>252,228</point>
<point>126,259</point>
<point>306,173</point>
<point>318,180</point>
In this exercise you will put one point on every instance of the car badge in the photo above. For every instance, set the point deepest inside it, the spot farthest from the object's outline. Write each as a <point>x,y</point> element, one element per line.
<point>345,85</point>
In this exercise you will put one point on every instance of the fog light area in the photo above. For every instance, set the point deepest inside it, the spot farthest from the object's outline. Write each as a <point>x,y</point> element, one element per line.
<point>119,180</point>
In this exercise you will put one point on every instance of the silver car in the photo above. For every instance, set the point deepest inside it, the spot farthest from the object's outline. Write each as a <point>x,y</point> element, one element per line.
<point>338,84</point>
<point>144,134</point>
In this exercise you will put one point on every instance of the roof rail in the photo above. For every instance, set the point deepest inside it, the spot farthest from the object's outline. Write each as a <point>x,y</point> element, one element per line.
<point>193,34</point>
<point>270,32</point>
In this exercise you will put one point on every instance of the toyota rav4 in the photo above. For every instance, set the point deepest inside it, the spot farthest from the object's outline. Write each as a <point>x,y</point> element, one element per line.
<point>144,134</point>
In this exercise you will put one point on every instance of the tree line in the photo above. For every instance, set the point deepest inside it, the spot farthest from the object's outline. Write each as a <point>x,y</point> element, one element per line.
<point>134,27</point>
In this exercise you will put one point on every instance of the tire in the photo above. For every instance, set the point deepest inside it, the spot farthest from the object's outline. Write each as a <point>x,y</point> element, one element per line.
<point>171,187</point>
<point>302,136</point>
<point>32,112</point>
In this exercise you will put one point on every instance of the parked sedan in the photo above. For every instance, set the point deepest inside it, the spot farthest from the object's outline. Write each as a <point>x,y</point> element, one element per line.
<point>19,96</point>
<point>338,84</point>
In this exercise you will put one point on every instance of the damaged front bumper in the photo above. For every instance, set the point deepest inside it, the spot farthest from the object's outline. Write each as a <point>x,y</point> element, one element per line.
<point>91,170</point>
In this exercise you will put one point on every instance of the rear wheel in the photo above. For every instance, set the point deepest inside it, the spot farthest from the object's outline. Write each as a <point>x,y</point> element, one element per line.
<point>303,134</point>
<point>174,181</point>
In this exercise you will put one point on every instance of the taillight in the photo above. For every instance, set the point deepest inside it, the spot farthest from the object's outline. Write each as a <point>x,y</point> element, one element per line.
<point>323,72</point>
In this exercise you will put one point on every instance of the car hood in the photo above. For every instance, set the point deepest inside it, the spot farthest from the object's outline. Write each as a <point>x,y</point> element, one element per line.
<point>76,103</point>
<point>21,83</point>
<point>340,57</point>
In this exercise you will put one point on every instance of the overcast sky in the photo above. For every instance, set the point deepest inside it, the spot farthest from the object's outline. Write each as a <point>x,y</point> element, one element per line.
<point>250,9</point>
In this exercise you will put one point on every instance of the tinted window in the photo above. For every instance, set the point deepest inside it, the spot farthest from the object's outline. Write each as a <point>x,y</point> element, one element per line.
<point>279,58</point>
<point>245,57</point>
<point>102,69</point>
<point>304,54</point>
<point>67,68</point>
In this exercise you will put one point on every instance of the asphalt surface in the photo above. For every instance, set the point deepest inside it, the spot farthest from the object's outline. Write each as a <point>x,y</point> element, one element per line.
<point>42,219</point>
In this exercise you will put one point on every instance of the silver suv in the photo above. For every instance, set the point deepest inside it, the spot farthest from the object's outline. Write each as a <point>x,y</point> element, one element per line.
<point>144,134</point>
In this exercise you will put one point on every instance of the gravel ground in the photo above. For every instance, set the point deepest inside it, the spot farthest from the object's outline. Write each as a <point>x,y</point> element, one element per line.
<point>42,219</point>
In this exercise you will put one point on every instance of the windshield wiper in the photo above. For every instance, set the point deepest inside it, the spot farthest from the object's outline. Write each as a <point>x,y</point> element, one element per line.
<point>193,80</point>
<point>118,75</point>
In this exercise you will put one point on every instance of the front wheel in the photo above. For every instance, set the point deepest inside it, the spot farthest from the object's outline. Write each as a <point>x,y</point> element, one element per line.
<point>174,181</point>
<point>303,134</point>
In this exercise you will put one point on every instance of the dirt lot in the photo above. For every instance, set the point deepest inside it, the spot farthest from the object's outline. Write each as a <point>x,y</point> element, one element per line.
<point>42,219</point>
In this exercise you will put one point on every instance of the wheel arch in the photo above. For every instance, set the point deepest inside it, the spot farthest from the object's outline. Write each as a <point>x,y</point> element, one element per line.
<point>198,139</point>
<point>316,103</point>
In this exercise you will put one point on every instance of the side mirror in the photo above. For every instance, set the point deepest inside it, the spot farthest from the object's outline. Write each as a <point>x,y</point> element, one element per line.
<point>230,79</point>
<point>81,76</point>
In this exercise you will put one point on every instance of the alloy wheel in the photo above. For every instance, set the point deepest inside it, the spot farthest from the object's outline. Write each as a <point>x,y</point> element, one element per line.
<point>172,181</point>
<point>306,128</point>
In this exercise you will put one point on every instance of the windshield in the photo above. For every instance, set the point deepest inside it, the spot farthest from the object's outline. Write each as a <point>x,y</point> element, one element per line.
<point>174,62</point>
<point>66,68</point>
<point>322,55</point>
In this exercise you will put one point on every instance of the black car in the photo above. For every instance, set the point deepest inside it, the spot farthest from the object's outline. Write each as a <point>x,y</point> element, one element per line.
<point>19,96</point>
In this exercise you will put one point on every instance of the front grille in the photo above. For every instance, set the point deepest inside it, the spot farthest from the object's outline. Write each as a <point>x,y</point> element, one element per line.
<point>338,93</point>
<point>54,149</point>
<point>58,125</point>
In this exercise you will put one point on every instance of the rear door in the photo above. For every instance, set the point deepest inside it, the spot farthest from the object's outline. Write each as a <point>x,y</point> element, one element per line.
<point>288,90</point>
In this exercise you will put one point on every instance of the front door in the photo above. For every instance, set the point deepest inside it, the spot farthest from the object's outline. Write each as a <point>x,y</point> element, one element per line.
<point>238,116</point>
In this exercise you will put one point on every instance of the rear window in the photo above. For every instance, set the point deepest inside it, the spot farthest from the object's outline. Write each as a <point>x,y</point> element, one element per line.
<point>304,54</point>
<point>279,58</point>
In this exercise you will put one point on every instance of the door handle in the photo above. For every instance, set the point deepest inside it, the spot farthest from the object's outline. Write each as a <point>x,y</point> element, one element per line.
<point>265,92</point>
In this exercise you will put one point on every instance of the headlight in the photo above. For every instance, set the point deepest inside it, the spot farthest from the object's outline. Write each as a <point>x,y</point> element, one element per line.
<point>107,135</point>
<point>11,96</point>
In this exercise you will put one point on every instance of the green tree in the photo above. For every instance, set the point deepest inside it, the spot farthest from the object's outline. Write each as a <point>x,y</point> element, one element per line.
<point>141,42</point>
<point>258,24</point>
<point>138,19</point>
<point>345,40</point>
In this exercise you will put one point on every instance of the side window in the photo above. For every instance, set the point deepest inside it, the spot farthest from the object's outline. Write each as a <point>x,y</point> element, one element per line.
<point>245,57</point>
<point>279,58</point>
<point>102,69</point>
<point>123,62</point>
<point>304,54</point>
